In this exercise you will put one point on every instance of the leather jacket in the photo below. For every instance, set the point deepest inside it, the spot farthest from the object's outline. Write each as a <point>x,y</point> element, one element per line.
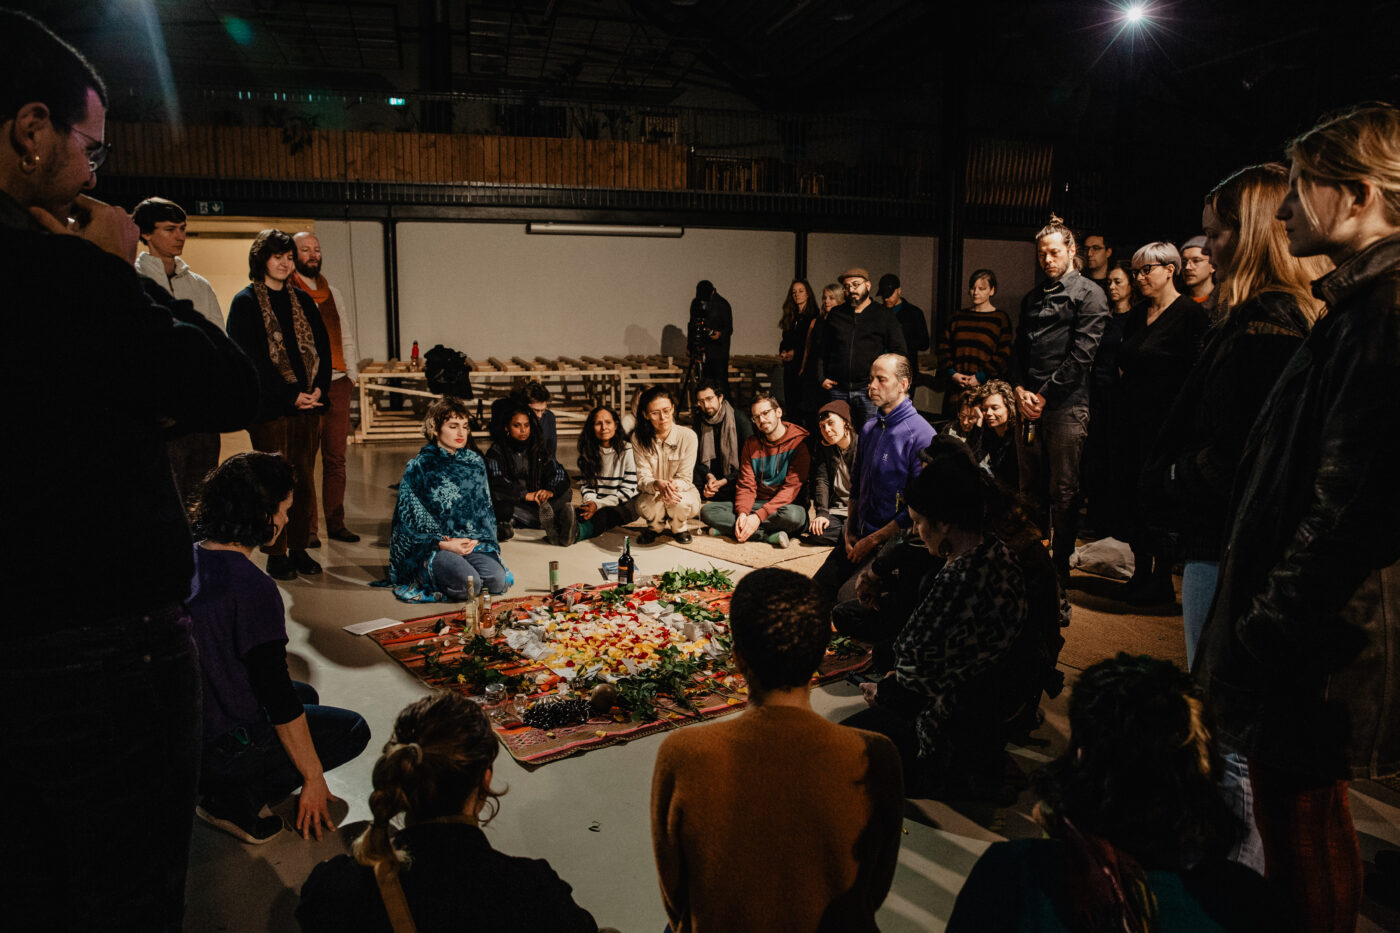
<point>1300,656</point>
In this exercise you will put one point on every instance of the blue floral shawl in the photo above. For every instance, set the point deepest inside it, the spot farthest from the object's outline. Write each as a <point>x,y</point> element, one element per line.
<point>443,495</point>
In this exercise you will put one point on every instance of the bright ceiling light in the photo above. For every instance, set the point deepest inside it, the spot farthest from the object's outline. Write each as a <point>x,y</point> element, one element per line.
<point>1135,14</point>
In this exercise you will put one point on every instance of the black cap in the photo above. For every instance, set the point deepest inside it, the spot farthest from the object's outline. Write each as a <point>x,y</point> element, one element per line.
<point>889,284</point>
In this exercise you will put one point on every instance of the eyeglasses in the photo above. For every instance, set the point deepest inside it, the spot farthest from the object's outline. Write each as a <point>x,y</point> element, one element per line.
<point>97,150</point>
<point>660,412</point>
<point>1143,271</point>
<point>1197,260</point>
<point>765,412</point>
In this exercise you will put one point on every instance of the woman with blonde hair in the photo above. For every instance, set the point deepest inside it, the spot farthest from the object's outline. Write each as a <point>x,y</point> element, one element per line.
<point>439,872</point>
<point>1299,653</point>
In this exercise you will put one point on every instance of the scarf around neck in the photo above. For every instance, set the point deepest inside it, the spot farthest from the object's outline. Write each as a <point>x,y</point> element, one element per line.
<point>319,289</point>
<point>277,341</point>
<point>722,424</point>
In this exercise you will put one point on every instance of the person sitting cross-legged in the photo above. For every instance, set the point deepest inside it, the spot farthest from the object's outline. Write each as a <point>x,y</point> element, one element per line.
<point>265,735</point>
<point>665,455</point>
<point>529,488</point>
<point>722,429</point>
<point>772,470</point>
<point>607,471</point>
<point>831,475</point>
<point>776,819</point>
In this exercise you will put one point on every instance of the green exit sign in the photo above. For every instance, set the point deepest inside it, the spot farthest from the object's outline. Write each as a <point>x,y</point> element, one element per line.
<point>209,207</point>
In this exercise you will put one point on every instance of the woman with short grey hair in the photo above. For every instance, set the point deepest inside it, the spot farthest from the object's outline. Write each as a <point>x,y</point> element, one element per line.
<point>1161,339</point>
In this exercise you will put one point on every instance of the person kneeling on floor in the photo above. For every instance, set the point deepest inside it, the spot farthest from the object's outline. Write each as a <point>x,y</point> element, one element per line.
<point>442,544</point>
<point>264,734</point>
<point>529,488</point>
<point>665,454</point>
<point>772,470</point>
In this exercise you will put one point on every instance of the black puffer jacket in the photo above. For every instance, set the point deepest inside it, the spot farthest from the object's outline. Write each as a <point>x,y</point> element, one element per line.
<point>1300,656</point>
<point>1191,468</point>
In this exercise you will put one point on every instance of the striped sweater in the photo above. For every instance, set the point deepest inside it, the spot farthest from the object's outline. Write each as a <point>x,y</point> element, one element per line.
<point>616,481</point>
<point>976,343</point>
<point>771,471</point>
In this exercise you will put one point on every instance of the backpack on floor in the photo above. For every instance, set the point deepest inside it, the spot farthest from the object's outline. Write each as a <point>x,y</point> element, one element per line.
<point>448,372</point>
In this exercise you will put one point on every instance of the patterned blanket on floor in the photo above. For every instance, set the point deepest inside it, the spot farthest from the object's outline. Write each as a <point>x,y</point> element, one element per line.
<point>607,641</point>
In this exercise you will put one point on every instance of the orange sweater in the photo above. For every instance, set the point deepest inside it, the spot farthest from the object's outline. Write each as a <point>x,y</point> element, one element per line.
<point>775,820</point>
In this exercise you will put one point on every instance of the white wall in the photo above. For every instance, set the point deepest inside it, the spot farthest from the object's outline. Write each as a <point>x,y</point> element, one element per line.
<point>830,254</point>
<point>352,257</point>
<point>494,290</point>
<point>1013,261</point>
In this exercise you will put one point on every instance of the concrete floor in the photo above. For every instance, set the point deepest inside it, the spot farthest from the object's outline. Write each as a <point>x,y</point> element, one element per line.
<point>548,812</point>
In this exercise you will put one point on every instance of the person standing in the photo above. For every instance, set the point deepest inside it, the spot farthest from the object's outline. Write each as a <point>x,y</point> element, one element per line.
<point>162,226</point>
<point>1198,273</point>
<point>976,345</point>
<point>799,317</point>
<point>1300,654</point>
<point>338,315</point>
<point>1062,320</point>
<point>712,336</point>
<point>101,699</point>
<point>912,321</point>
<point>282,332</point>
<point>847,342</point>
<point>1098,259</point>
<point>1163,337</point>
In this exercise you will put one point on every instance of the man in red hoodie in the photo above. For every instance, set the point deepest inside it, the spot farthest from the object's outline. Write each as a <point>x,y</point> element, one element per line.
<point>772,468</point>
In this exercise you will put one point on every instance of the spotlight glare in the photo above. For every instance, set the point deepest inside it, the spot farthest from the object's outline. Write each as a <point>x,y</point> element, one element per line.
<point>1135,14</point>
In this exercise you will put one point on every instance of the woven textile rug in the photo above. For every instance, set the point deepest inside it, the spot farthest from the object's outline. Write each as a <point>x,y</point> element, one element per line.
<point>414,642</point>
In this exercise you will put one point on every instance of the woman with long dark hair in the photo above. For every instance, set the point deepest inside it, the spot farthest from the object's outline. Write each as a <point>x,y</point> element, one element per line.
<point>439,872</point>
<point>665,453</point>
<point>798,318</point>
<point>1137,831</point>
<point>607,471</point>
<point>529,488</point>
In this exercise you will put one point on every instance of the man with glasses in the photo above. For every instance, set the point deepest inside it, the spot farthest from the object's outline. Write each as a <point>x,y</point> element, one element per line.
<point>774,466</point>
<point>1198,274</point>
<point>1098,259</point>
<point>101,698</point>
<point>848,341</point>
<point>1062,320</point>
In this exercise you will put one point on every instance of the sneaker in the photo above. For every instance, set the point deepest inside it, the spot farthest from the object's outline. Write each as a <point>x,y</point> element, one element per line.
<point>279,567</point>
<point>780,539</point>
<point>504,531</point>
<point>304,563</point>
<point>647,536</point>
<point>343,534</point>
<point>252,829</point>
<point>551,532</point>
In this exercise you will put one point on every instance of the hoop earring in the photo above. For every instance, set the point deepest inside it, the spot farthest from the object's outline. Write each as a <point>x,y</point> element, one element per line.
<point>29,163</point>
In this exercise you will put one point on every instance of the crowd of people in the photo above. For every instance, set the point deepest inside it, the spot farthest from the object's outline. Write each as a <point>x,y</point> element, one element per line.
<point>1252,396</point>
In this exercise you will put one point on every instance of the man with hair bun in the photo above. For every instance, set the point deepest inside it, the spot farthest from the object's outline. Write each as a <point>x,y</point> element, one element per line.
<point>776,819</point>
<point>1062,320</point>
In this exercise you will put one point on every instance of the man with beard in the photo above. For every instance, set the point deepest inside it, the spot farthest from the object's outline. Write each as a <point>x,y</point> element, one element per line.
<point>848,341</point>
<point>1198,273</point>
<point>722,430</point>
<point>339,317</point>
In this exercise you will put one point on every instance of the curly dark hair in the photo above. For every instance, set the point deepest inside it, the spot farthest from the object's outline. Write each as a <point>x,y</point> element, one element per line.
<point>239,498</point>
<point>781,623</point>
<point>644,431</point>
<point>439,411</point>
<point>439,753</point>
<point>1139,770</point>
<point>590,451</point>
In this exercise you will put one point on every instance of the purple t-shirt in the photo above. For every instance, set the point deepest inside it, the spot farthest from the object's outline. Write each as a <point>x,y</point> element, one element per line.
<point>235,607</point>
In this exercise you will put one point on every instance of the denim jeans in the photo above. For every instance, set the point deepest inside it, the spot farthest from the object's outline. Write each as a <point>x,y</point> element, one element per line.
<point>862,409</point>
<point>453,574</point>
<point>101,724</point>
<point>249,766</point>
<point>1197,591</point>
<point>721,516</point>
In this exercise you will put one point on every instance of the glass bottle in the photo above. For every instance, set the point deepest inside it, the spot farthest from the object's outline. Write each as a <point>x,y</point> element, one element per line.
<point>626,564</point>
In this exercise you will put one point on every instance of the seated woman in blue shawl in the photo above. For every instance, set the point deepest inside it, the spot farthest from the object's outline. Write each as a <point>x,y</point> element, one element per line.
<point>443,543</point>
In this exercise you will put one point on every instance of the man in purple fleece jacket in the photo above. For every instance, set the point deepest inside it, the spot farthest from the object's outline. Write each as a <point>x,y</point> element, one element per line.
<point>886,459</point>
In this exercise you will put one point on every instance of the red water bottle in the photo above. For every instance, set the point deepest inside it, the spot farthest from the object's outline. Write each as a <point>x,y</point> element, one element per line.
<point>413,357</point>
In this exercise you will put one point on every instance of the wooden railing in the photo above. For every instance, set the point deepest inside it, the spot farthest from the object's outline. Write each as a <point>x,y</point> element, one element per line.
<point>155,150</point>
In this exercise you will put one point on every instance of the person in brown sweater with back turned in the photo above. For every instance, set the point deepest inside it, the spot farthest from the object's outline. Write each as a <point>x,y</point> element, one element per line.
<point>776,819</point>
